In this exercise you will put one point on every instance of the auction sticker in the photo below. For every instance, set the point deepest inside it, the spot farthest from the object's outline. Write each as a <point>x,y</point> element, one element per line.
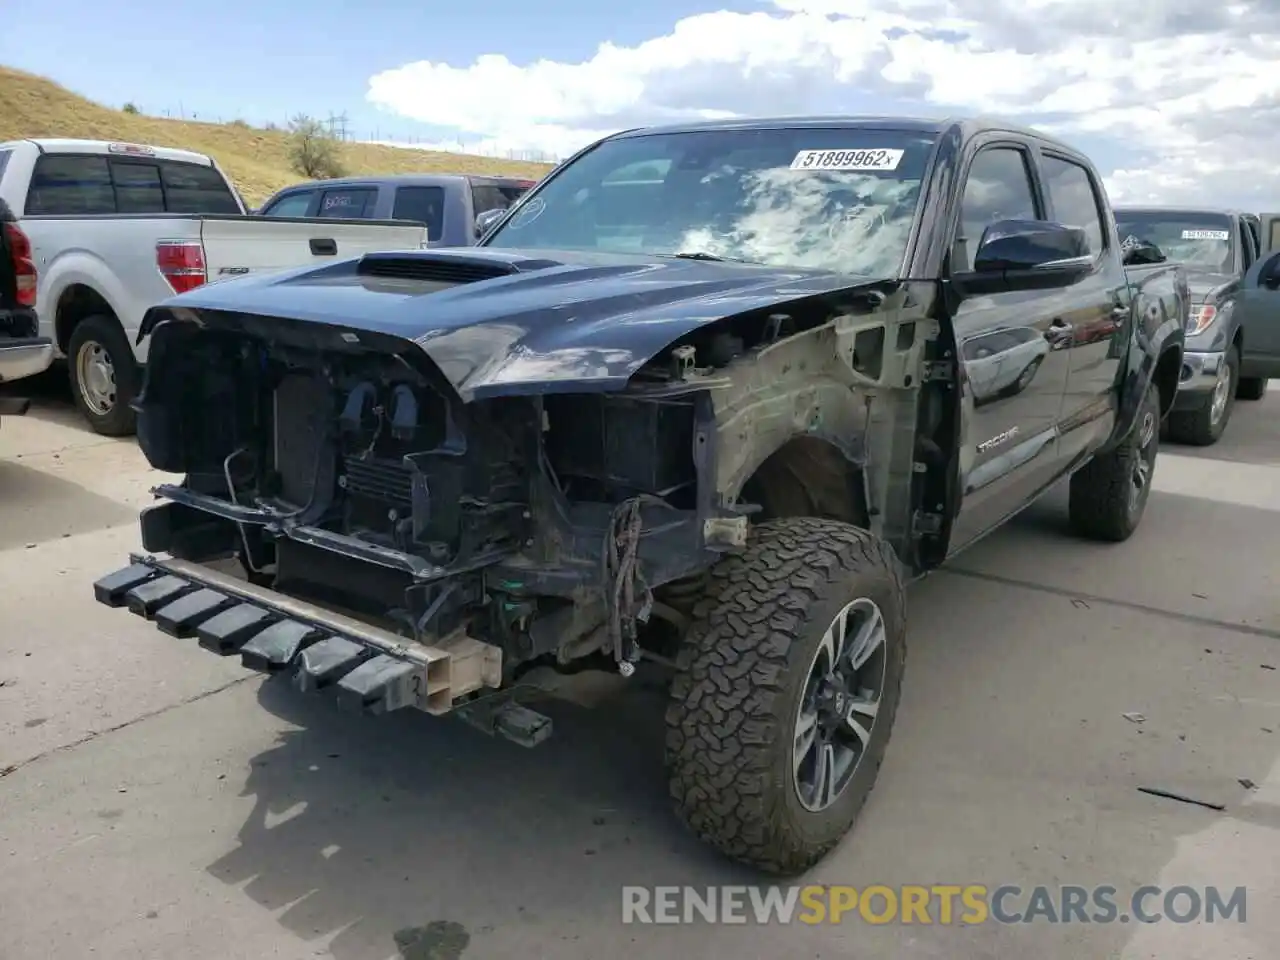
<point>847,160</point>
<point>1206,235</point>
<point>527,213</point>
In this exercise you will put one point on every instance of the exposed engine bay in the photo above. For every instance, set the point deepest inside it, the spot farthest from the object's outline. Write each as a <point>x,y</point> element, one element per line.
<point>552,527</point>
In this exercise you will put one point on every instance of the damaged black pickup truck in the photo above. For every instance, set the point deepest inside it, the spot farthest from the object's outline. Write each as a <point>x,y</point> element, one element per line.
<point>707,396</point>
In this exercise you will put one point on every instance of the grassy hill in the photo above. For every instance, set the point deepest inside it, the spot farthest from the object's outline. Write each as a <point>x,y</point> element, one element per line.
<point>256,159</point>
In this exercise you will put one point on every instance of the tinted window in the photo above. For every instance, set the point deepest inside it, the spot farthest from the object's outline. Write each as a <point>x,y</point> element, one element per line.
<point>137,187</point>
<point>486,196</point>
<point>998,188</point>
<point>70,185</point>
<point>1197,239</point>
<point>292,205</point>
<point>1246,245</point>
<point>1074,201</point>
<point>352,203</point>
<point>422,205</point>
<point>4,160</point>
<point>1274,235</point>
<point>839,198</point>
<point>193,188</point>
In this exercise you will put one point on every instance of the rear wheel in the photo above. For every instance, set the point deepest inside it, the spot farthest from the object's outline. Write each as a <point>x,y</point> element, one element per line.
<point>1251,388</point>
<point>785,698</point>
<point>1204,425</point>
<point>1109,494</point>
<point>104,375</point>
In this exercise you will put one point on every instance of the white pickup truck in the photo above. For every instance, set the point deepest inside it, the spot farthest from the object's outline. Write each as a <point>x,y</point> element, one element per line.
<point>116,228</point>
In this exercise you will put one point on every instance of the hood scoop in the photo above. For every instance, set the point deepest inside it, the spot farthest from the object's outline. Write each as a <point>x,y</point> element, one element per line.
<point>432,268</point>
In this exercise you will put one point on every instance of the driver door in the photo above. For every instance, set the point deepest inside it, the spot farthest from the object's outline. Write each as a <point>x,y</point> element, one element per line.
<point>1258,306</point>
<point>1012,354</point>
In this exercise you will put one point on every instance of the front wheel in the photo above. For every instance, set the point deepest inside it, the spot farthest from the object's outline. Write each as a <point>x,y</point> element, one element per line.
<point>788,684</point>
<point>1204,425</point>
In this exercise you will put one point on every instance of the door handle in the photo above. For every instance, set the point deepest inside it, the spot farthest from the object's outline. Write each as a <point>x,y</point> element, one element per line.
<point>324,248</point>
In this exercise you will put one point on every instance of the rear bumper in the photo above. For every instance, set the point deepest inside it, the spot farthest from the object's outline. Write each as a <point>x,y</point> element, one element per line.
<point>365,668</point>
<point>1199,376</point>
<point>24,358</point>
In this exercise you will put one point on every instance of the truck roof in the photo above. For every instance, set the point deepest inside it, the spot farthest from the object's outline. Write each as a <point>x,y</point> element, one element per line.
<point>410,179</point>
<point>1167,208</point>
<point>70,145</point>
<point>965,126</point>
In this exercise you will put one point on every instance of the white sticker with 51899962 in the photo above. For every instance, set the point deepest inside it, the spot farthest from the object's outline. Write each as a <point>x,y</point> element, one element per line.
<point>1205,235</point>
<point>847,160</point>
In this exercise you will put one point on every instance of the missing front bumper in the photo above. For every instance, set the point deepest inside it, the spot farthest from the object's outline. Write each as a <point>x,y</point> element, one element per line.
<point>367,669</point>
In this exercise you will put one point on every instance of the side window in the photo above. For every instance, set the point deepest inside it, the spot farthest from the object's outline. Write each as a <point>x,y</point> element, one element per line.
<point>421,205</point>
<point>290,205</point>
<point>194,188</point>
<point>137,187</point>
<point>68,184</point>
<point>1074,199</point>
<point>1246,245</point>
<point>998,188</point>
<point>4,160</point>
<point>351,203</point>
<point>485,196</point>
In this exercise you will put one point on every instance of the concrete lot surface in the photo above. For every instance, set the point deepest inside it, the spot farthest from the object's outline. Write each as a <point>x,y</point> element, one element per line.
<point>157,802</point>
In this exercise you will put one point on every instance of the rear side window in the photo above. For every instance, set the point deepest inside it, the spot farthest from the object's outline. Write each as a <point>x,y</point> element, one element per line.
<point>193,188</point>
<point>4,161</point>
<point>137,187</point>
<point>421,205</point>
<point>1075,202</point>
<point>70,185</point>
<point>292,205</point>
<point>352,203</point>
<point>486,196</point>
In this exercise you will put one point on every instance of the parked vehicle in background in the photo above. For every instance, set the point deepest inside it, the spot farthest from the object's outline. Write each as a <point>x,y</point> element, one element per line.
<point>22,353</point>
<point>450,205</point>
<point>1233,345</point>
<point>713,418</point>
<point>116,228</point>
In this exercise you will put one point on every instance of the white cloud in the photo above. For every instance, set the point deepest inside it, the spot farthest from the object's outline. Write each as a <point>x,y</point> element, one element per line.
<point>1178,98</point>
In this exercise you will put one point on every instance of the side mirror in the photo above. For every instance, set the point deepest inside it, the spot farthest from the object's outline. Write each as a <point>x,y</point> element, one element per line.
<point>487,219</point>
<point>1269,275</point>
<point>1026,255</point>
<point>1141,252</point>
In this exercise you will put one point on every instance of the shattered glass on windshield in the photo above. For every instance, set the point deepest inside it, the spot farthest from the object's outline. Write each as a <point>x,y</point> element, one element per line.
<point>847,205</point>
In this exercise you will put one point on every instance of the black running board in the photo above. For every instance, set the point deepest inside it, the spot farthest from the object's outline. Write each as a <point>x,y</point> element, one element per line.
<point>367,669</point>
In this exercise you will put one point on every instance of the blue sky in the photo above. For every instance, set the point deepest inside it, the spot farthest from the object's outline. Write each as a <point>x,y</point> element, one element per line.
<point>268,60</point>
<point>1174,100</point>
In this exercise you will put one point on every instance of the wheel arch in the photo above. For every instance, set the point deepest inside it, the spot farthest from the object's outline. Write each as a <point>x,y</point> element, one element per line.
<point>76,303</point>
<point>808,474</point>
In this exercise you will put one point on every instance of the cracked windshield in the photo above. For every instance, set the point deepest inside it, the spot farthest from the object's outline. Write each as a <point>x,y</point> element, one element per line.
<point>680,480</point>
<point>819,199</point>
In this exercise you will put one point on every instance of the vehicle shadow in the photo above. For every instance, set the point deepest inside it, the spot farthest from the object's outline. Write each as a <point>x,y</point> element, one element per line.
<point>50,397</point>
<point>1250,435</point>
<point>36,506</point>
<point>394,827</point>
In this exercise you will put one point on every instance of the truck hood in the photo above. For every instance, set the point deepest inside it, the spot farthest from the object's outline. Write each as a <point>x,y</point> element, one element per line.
<point>500,322</point>
<point>1204,284</point>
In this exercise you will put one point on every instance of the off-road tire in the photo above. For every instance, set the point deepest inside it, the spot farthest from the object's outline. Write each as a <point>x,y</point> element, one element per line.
<point>742,672</point>
<point>1251,388</point>
<point>1196,427</point>
<point>120,420</point>
<point>1099,505</point>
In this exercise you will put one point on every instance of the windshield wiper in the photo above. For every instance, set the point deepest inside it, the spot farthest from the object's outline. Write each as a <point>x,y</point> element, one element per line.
<point>710,257</point>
